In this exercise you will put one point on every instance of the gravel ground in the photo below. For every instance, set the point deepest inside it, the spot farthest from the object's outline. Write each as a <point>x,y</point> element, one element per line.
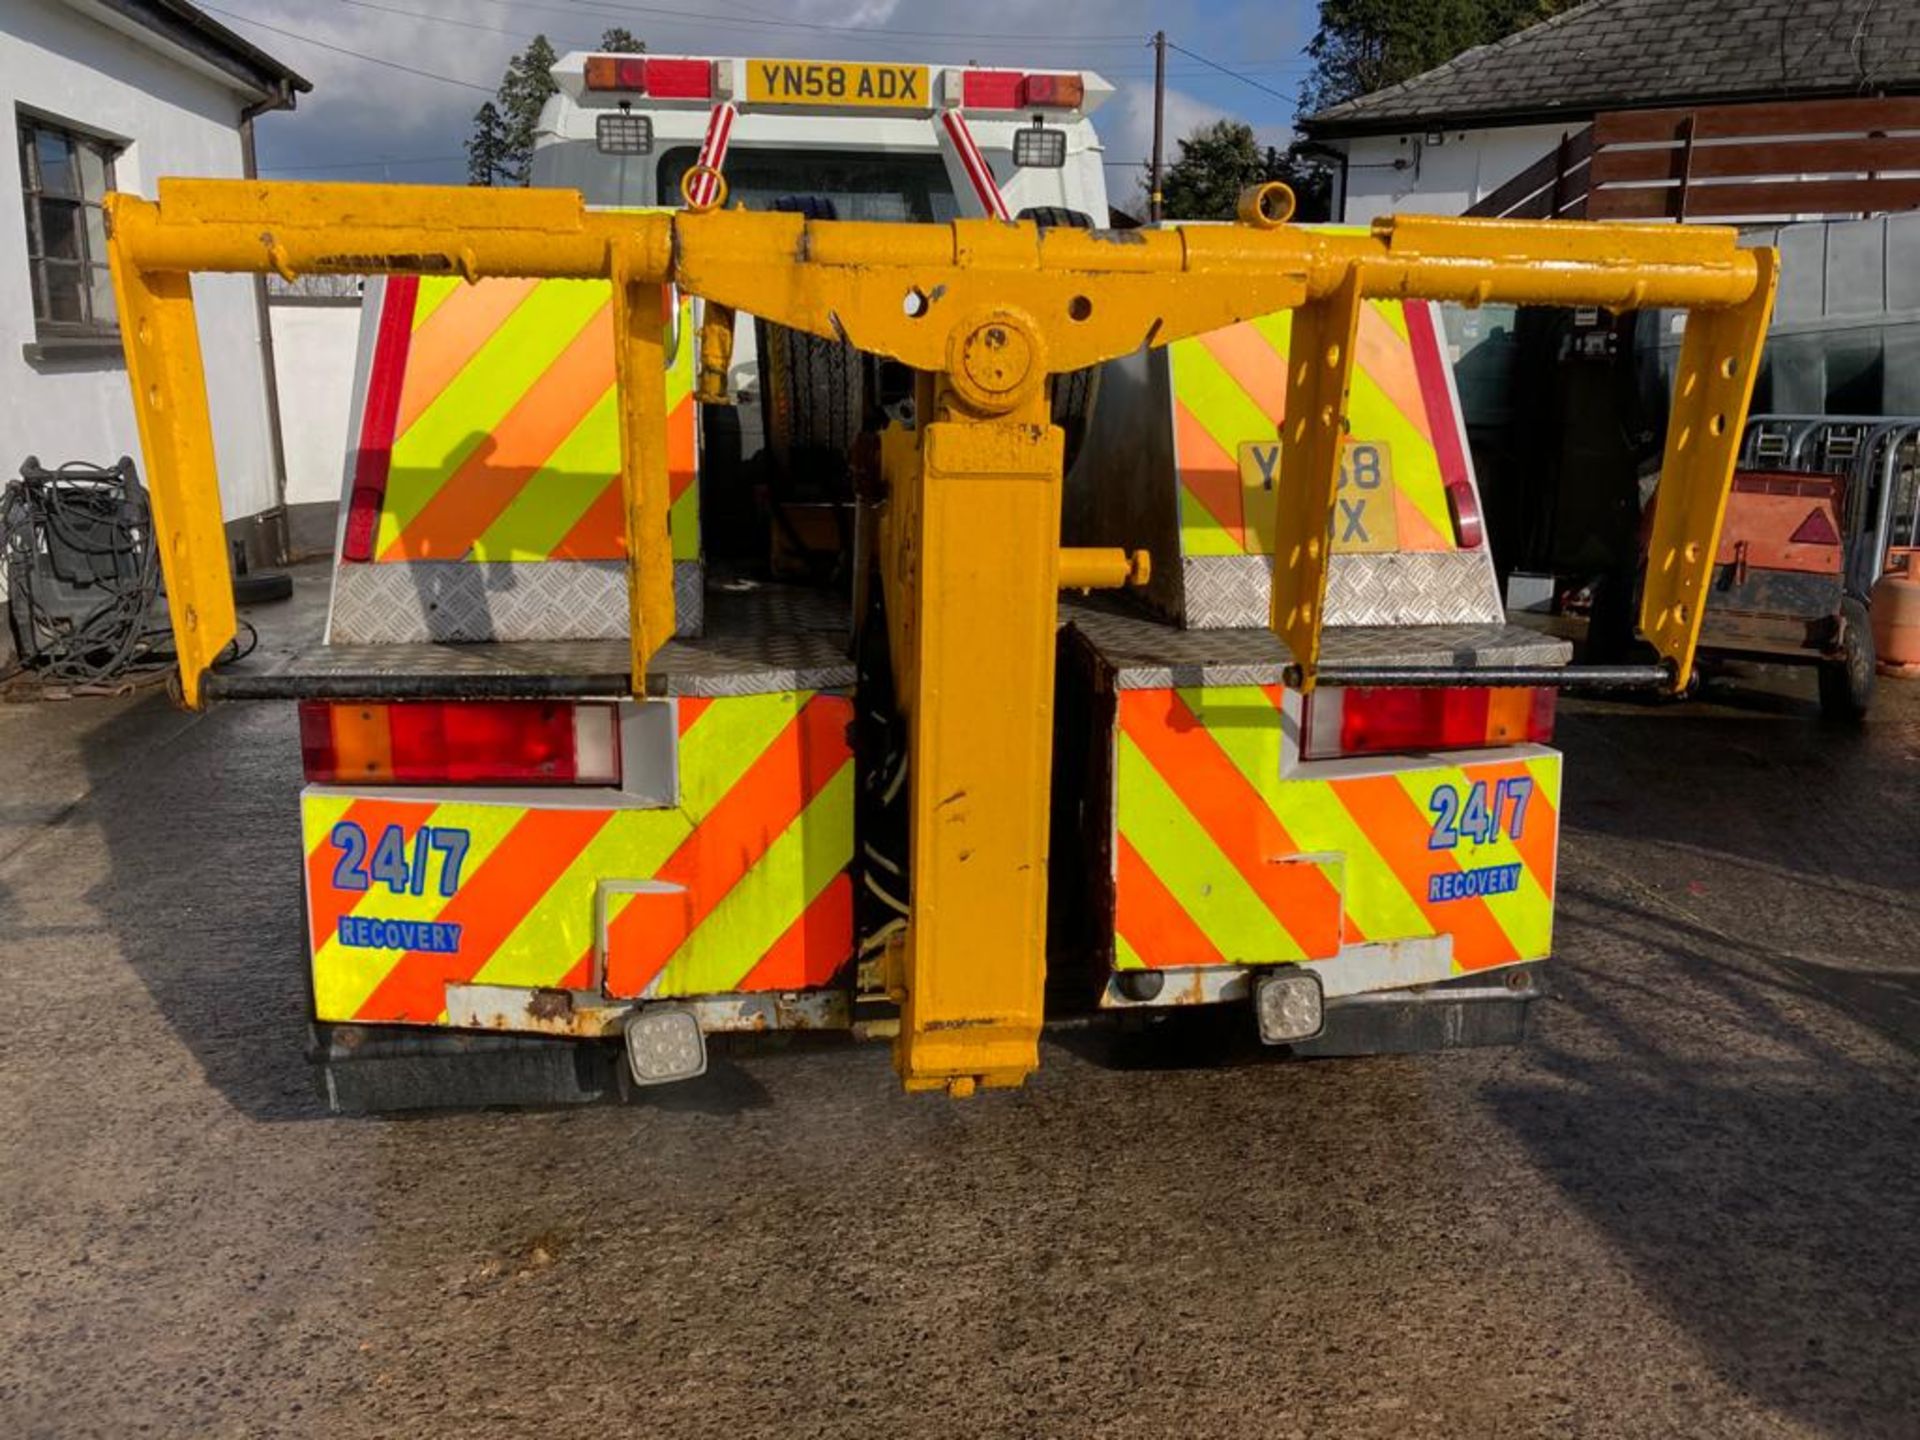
<point>1685,1207</point>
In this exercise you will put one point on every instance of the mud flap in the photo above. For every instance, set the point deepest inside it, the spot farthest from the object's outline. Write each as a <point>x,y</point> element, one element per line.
<point>383,1069</point>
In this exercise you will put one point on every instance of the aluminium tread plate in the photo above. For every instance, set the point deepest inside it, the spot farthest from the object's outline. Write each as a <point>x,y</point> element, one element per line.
<point>758,639</point>
<point>1148,654</point>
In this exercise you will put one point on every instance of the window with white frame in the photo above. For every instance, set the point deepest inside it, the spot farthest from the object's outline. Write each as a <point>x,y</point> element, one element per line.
<point>65,175</point>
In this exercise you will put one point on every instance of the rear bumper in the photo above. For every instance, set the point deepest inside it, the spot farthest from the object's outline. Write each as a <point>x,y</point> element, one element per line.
<point>1464,1013</point>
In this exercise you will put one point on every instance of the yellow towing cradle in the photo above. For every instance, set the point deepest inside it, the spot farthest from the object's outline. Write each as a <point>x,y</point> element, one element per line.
<point>970,553</point>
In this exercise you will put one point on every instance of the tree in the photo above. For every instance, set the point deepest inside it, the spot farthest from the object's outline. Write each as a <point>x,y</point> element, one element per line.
<point>1367,45</point>
<point>488,157</point>
<point>500,150</point>
<point>1219,160</point>
<point>526,87</point>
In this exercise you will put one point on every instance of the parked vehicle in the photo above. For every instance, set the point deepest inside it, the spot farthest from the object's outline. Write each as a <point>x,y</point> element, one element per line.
<point>1821,509</point>
<point>596,751</point>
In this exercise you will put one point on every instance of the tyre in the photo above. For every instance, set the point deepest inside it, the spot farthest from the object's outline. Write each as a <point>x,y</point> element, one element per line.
<point>1072,394</point>
<point>814,392</point>
<point>1846,679</point>
<point>262,587</point>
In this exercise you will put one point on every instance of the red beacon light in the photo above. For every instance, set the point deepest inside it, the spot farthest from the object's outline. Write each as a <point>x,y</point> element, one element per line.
<point>661,78</point>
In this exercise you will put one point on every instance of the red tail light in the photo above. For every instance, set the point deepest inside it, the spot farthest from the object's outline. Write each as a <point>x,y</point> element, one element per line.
<point>680,79</point>
<point>1376,721</point>
<point>1053,92</point>
<point>363,522</point>
<point>664,79</point>
<point>477,742</point>
<point>616,72</point>
<point>1015,90</point>
<point>1463,506</point>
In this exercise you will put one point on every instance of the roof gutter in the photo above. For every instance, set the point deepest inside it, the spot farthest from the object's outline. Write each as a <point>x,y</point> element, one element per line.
<point>1317,129</point>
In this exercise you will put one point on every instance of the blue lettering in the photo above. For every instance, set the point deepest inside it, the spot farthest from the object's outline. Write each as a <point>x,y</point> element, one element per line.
<point>431,937</point>
<point>1472,884</point>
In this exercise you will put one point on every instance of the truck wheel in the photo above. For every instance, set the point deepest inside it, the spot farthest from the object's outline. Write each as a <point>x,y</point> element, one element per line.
<point>814,391</point>
<point>1072,394</point>
<point>1846,680</point>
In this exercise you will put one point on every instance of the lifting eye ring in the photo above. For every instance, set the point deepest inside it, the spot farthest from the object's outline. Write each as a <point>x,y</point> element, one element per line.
<point>687,181</point>
<point>1267,206</point>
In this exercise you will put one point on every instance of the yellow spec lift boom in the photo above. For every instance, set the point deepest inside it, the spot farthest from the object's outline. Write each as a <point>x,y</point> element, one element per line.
<point>970,554</point>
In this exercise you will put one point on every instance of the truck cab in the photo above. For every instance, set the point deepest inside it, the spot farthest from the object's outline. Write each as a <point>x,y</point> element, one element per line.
<point>873,138</point>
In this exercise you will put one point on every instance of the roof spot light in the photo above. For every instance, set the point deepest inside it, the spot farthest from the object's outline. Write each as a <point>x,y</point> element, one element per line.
<point>1035,147</point>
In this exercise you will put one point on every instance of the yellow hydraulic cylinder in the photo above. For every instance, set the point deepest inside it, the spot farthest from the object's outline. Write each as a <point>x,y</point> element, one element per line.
<point>984,529</point>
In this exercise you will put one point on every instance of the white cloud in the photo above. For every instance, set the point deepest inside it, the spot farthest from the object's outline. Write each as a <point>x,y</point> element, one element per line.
<point>1125,124</point>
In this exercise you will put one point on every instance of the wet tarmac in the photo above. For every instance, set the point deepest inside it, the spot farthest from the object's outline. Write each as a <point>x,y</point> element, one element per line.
<point>1689,1205</point>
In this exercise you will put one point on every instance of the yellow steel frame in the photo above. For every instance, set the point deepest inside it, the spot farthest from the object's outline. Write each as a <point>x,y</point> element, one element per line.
<point>970,537</point>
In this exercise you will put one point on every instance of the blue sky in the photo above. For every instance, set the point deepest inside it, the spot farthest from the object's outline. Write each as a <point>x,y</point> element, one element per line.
<point>369,121</point>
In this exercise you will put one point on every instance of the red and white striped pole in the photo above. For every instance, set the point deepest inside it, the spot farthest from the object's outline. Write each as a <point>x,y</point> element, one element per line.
<point>979,173</point>
<point>713,155</point>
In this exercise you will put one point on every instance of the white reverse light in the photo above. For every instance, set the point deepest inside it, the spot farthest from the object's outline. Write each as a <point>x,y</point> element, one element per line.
<point>1288,1005</point>
<point>664,1044</point>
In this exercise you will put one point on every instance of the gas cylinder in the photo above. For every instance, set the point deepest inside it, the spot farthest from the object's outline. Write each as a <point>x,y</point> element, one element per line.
<point>1896,622</point>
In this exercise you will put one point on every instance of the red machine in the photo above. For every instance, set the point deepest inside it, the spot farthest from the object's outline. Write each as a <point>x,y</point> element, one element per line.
<point>1779,590</point>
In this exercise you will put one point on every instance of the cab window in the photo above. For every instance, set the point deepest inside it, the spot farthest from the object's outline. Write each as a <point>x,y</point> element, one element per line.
<point>860,186</point>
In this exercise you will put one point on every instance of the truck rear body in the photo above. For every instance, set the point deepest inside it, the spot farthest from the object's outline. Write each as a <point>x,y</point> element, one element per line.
<point>725,862</point>
<point>1289,753</point>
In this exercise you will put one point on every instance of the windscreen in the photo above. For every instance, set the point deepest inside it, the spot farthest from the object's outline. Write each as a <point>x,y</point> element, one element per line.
<point>860,186</point>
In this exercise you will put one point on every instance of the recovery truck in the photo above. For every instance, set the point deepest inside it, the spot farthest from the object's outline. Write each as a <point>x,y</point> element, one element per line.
<point>589,779</point>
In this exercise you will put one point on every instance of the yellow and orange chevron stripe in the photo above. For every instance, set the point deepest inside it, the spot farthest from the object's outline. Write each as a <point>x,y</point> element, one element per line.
<point>743,886</point>
<point>1222,860</point>
<point>502,426</point>
<point>1229,389</point>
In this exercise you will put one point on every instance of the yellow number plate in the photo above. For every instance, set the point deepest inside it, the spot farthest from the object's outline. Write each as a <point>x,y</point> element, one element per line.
<point>831,83</point>
<point>1364,518</point>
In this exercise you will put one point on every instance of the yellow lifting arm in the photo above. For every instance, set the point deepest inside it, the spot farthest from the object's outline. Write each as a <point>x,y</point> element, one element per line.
<point>1062,299</point>
<point>969,548</point>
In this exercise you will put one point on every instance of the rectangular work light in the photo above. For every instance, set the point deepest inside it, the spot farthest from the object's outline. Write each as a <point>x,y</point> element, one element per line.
<point>1035,147</point>
<point>622,133</point>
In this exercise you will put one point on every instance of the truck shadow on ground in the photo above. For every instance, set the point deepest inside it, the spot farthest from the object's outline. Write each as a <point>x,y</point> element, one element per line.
<point>202,892</point>
<point>1760,1185</point>
<point>1768,784</point>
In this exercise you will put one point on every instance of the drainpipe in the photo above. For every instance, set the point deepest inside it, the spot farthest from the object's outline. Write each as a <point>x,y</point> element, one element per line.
<point>271,527</point>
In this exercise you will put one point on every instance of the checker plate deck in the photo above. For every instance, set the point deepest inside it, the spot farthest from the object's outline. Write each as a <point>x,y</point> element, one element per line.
<point>1147,654</point>
<point>758,639</point>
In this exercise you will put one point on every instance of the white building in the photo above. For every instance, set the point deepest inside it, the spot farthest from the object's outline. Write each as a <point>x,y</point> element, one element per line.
<point>114,94</point>
<point>1521,127</point>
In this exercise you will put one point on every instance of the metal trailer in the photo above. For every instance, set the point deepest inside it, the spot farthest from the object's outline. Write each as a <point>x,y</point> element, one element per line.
<point>712,804</point>
<point>1880,457</point>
